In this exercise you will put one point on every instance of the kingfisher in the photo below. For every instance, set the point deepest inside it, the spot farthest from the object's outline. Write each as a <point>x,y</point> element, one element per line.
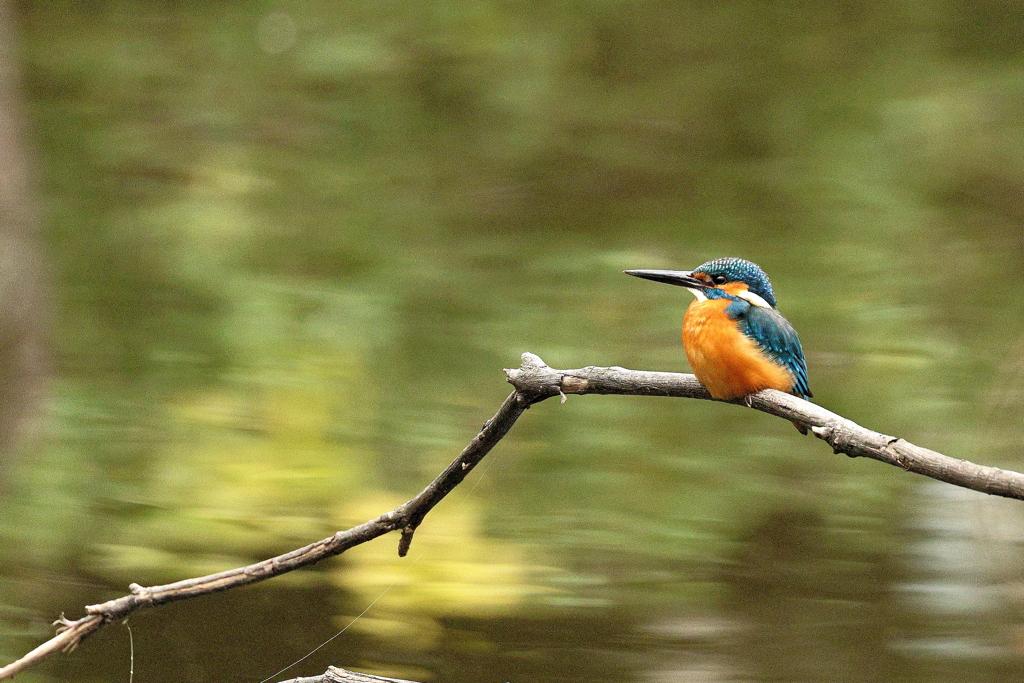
<point>736,340</point>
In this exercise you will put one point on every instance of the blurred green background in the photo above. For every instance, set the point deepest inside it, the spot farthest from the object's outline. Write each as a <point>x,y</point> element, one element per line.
<point>290,246</point>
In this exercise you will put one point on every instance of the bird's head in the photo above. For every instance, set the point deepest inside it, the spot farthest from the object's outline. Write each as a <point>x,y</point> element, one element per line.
<point>732,276</point>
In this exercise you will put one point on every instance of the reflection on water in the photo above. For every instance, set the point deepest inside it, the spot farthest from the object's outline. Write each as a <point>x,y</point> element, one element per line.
<point>966,578</point>
<point>294,245</point>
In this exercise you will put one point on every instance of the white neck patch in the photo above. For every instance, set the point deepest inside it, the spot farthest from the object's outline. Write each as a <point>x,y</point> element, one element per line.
<point>753,298</point>
<point>747,295</point>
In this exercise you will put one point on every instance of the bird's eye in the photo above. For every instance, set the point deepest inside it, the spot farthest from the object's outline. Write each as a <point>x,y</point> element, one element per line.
<point>719,279</point>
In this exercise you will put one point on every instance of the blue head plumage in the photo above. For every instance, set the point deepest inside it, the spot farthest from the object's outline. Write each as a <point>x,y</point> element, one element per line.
<point>732,269</point>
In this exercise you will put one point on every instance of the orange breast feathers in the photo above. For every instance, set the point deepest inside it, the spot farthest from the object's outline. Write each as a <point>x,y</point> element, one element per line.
<point>726,361</point>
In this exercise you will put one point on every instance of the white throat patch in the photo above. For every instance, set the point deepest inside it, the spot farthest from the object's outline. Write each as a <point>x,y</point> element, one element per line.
<point>698,294</point>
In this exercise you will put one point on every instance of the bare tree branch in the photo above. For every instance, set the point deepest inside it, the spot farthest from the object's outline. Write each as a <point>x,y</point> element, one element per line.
<point>534,382</point>
<point>537,380</point>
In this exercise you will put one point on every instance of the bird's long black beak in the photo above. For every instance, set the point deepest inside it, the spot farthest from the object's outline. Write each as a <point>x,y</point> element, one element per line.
<point>681,278</point>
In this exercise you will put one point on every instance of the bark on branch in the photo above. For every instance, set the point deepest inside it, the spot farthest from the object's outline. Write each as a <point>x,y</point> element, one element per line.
<point>534,381</point>
<point>537,380</point>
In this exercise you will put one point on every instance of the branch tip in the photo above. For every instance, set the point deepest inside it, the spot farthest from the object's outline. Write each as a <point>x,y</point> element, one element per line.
<point>406,540</point>
<point>532,359</point>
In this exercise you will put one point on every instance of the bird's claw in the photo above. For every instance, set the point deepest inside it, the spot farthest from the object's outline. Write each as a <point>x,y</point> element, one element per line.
<point>64,624</point>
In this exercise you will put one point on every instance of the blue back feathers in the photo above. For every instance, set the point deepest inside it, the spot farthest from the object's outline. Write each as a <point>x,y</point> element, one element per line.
<point>741,270</point>
<point>776,337</point>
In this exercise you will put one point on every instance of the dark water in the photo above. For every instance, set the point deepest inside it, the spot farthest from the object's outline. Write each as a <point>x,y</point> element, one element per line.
<point>292,246</point>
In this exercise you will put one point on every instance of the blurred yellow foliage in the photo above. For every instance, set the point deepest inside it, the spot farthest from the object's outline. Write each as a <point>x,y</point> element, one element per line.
<point>453,569</point>
<point>251,473</point>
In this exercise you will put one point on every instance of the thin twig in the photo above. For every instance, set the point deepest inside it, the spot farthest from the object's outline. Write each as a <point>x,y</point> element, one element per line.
<point>534,382</point>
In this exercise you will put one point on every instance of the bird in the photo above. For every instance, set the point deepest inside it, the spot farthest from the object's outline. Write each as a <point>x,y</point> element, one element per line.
<point>735,338</point>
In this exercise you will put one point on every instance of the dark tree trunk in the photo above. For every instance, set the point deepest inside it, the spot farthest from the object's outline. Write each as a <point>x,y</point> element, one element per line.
<point>23,299</point>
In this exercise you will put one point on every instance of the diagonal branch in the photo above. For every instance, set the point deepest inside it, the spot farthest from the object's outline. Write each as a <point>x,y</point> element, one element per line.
<point>405,517</point>
<point>534,382</point>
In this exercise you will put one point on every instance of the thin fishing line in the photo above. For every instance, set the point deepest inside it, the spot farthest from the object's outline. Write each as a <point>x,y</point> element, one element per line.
<point>131,650</point>
<point>354,620</point>
<point>359,616</point>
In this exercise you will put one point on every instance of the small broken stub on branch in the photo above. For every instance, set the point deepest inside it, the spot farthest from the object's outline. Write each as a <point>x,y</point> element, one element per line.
<point>574,385</point>
<point>405,540</point>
